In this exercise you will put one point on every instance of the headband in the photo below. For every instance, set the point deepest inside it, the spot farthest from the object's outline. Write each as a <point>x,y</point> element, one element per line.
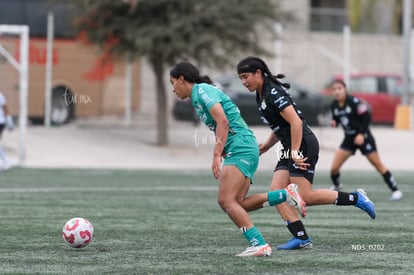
<point>249,66</point>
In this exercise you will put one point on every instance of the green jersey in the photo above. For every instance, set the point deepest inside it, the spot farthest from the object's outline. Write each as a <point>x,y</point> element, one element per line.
<point>241,148</point>
<point>205,96</point>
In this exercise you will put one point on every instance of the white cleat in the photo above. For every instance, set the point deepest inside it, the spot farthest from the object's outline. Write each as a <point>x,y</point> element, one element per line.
<point>396,195</point>
<point>293,198</point>
<point>256,251</point>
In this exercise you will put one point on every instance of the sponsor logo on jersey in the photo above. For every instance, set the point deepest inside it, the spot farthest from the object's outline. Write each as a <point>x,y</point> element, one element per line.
<point>206,98</point>
<point>263,105</point>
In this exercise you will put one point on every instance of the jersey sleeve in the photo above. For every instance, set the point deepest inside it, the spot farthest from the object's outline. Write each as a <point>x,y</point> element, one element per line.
<point>208,97</point>
<point>279,98</point>
<point>334,116</point>
<point>364,115</point>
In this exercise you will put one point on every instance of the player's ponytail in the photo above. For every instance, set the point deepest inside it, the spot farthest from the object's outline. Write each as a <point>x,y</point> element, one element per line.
<point>204,79</point>
<point>189,72</point>
<point>251,64</point>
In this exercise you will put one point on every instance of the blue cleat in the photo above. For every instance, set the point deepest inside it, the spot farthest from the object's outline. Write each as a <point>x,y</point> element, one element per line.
<point>296,243</point>
<point>365,203</point>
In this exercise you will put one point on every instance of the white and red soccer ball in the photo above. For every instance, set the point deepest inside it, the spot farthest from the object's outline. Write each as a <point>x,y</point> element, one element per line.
<point>77,232</point>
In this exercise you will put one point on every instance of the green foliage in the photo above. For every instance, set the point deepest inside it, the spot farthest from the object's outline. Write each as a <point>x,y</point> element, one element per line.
<point>169,222</point>
<point>211,32</point>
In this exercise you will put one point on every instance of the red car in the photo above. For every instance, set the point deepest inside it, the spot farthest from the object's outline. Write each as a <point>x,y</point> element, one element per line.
<point>382,91</point>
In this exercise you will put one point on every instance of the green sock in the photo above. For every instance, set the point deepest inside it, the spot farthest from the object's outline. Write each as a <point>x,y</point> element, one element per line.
<point>276,197</point>
<point>253,236</point>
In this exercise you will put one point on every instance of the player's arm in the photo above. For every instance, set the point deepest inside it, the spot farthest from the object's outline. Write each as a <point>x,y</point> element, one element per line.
<point>222,130</point>
<point>290,115</point>
<point>364,116</point>
<point>335,119</point>
<point>271,140</point>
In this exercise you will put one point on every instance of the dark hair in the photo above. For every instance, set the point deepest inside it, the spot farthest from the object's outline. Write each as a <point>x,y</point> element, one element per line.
<point>189,72</point>
<point>251,64</point>
<point>338,81</point>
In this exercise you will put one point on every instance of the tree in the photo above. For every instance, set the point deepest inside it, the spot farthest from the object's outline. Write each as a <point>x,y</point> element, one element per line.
<point>208,32</point>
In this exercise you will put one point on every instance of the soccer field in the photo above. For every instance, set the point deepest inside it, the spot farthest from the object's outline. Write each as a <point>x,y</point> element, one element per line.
<point>161,222</point>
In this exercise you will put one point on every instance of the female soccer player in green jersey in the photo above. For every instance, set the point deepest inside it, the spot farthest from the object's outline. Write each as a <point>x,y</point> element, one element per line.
<point>235,156</point>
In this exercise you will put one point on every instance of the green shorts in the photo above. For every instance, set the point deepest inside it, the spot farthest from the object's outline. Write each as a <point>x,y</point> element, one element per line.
<point>243,152</point>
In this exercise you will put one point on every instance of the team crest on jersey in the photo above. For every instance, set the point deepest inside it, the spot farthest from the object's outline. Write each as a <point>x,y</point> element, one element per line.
<point>348,109</point>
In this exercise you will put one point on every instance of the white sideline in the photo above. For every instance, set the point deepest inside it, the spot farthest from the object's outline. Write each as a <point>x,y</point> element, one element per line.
<point>107,189</point>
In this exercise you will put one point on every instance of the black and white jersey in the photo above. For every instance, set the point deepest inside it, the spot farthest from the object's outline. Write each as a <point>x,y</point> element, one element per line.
<point>354,116</point>
<point>273,101</point>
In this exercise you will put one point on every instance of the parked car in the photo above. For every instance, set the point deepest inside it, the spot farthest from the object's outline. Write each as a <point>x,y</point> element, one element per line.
<point>382,91</point>
<point>315,107</point>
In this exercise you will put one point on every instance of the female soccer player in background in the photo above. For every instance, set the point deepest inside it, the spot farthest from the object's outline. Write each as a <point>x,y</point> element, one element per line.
<point>301,146</point>
<point>355,117</point>
<point>236,144</point>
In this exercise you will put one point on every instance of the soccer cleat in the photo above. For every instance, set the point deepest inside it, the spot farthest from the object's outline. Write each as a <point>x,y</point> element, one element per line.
<point>396,195</point>
<point>365,204</point>
<point>256,251</point>
<point>336,188</point>
<point>296,243</point>
<point>294,199</point>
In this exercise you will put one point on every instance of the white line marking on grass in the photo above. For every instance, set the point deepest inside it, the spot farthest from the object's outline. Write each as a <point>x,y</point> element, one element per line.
<point>107,189</point>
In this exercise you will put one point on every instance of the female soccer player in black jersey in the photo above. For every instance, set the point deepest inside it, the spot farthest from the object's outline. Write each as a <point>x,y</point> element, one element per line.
<point>300,149</point>
<point>355,117</point>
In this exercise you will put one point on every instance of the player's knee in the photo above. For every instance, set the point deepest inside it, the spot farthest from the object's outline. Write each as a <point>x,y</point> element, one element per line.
<point>224,202</point>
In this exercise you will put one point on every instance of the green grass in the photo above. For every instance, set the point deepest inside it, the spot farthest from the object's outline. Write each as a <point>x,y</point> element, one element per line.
<point>160,222</point>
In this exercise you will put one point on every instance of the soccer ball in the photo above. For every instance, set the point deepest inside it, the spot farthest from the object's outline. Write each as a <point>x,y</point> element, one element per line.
<point>77,232</point>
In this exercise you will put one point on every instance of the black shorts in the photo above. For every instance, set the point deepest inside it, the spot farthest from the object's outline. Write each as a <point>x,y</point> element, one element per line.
<point>368,147</point>
<point>309,149</point>
<point>1,128</point>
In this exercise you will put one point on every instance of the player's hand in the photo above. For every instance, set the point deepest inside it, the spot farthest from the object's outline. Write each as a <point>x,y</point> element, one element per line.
<point>216,166</point>
<point>333,123</point>
<point>263,148</point>
<point>359,139</point>
<point>299,160</point>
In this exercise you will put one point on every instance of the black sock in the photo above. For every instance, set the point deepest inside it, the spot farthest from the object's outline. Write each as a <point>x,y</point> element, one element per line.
<point>390,181</point>
<point>298,230</point>
<point>345,198</point>
<point>335,179</point>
